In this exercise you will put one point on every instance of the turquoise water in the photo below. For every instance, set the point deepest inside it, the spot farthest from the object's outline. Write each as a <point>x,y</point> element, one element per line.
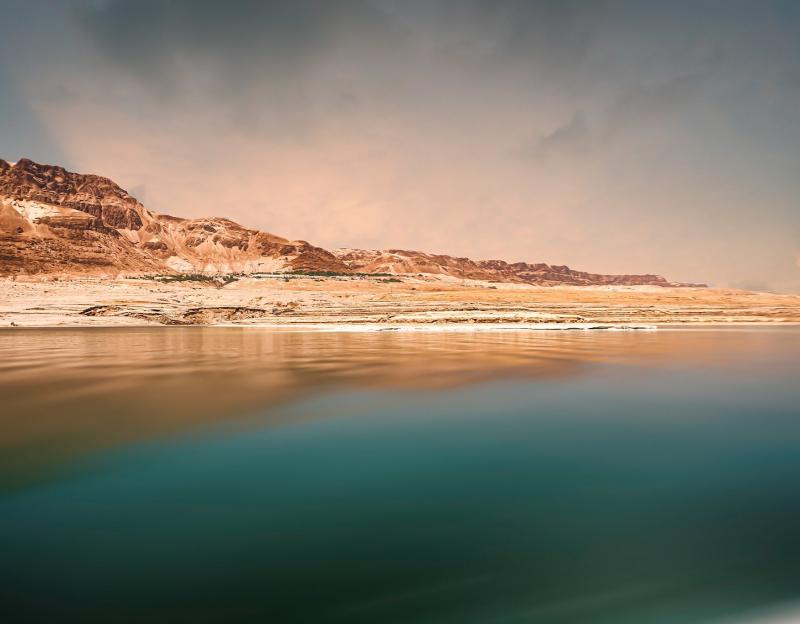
<point>527,478</point>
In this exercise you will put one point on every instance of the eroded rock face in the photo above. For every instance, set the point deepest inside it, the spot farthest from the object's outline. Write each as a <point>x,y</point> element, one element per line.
<point>56,186</point>
<point>56,221</point>
<point>399,261</point>
<point>53,220</point>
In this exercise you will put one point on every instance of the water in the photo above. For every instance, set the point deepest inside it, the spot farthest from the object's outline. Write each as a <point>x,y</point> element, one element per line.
<point>218,475</point>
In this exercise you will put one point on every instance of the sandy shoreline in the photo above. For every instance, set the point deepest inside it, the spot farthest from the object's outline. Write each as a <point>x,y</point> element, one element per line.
<point>354,328</point>
<point>376,304</point>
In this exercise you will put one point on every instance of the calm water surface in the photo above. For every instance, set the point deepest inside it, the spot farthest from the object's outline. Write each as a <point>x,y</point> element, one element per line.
<point>240,475</point>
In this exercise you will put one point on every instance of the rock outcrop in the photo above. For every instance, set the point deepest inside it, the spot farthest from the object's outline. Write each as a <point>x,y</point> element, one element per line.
<point>402,261</point>
<point>56,221</point>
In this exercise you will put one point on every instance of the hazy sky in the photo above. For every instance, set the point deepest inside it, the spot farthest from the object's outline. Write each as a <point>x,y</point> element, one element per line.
<point>611,136</point>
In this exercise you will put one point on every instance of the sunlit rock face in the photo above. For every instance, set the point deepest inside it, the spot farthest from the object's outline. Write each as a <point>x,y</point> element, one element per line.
<point>50,185</point>
<point>399,261</point>
<point>56,221</point>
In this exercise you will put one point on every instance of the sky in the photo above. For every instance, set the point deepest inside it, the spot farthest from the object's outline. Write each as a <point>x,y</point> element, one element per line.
<point>612,136</point>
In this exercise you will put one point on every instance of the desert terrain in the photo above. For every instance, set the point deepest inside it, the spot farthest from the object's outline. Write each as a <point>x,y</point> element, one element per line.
<point>78,250</point>
<point>368,302</point>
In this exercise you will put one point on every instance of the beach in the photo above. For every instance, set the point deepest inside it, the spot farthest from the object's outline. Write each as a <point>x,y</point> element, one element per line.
<point>375,303</point>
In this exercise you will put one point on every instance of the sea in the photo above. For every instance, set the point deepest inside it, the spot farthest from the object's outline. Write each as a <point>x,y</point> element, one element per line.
<point>188,474</point>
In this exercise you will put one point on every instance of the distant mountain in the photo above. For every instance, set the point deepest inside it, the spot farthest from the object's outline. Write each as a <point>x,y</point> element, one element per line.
<point>400,261</point>
<point>56,221</point>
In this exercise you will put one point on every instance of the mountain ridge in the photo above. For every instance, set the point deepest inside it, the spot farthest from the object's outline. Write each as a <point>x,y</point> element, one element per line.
<point>53,221</point>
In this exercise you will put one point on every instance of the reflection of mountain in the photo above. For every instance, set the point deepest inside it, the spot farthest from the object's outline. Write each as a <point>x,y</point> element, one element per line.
<point>55,221</point>
<point>70,392</point>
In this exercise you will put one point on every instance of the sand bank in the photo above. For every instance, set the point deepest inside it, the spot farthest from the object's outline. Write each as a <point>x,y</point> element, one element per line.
<point>375,304</point>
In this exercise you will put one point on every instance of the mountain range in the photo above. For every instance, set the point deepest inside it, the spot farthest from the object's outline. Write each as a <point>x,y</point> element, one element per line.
<point>53,221</point>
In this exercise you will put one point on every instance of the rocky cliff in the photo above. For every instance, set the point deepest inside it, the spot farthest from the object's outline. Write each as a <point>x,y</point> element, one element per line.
<point>56,221</point>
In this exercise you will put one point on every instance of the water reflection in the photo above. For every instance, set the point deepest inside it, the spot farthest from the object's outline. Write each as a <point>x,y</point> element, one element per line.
<point>72,390</point>
<point>240,475</point>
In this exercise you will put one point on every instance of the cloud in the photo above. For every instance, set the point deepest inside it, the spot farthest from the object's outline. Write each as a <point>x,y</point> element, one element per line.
<point>571,139</point>
<point>180,43</point>
<point>652,104</point>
